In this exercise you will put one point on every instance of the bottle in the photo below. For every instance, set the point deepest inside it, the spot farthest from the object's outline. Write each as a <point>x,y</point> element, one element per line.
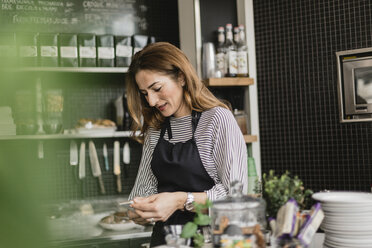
<point>252,175</point>
<point>242,54</point>
<point>127,120</point>
<point>231,61</point>
<point>220,53</point>
<point>236,36</point>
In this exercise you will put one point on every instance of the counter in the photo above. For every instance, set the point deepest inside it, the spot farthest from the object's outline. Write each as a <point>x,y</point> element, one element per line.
<point>76,224</point>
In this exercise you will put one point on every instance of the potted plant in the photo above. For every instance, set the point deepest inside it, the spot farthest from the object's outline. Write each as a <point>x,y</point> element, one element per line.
<point>277,190</point>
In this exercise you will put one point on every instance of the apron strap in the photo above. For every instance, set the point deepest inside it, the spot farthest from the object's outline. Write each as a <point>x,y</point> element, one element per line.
<point>165,126</point>
<point>195,116</point>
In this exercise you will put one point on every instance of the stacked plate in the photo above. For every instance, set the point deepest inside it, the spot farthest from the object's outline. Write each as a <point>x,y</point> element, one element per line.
<point>348,218</point>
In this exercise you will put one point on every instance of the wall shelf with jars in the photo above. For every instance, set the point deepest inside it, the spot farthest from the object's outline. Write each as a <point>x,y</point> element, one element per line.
<point>74,69</point>
<point>229,81</point>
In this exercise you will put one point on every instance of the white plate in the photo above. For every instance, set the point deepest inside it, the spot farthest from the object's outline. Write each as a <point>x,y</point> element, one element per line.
<point>347,241</point>
<point>119,227</point>
<point>98,130</point>
<point>352,235</point>
<point>335,227</point>
<point>343,197</point>
<point>123,226</point>
<point>346,205</point>
<point>362,222</point>
<point>336,214</point>
<point>350,212</point>
<point>332,244</point>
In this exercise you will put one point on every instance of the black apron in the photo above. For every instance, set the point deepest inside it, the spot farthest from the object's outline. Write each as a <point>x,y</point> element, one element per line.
<point>178,167</point>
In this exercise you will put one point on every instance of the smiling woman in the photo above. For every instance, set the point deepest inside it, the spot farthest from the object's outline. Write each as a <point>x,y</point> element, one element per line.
<point>193,147</point>
<point>163,93</point>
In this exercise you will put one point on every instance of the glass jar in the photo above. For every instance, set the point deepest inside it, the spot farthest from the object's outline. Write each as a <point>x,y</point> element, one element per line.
<point>53,110</point>
<point>238,219</point>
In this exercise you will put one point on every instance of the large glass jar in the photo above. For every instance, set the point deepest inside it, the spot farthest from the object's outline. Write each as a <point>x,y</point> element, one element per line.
<point>238,219</point>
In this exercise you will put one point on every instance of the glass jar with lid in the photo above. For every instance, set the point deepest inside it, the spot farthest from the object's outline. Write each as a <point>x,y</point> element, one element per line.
<point>238,219</point>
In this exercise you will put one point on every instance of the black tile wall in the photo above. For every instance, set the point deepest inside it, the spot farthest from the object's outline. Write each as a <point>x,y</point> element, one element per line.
<point>300,130</point>
<point>162,19</point>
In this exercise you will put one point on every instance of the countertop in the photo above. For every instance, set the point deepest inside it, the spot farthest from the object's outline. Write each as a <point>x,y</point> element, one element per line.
<point>78,221</point>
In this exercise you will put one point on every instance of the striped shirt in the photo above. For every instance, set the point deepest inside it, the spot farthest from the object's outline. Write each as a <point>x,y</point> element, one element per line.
<point>221,146</point>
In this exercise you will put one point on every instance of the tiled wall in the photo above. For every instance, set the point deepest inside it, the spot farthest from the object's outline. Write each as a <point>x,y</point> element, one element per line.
<point>299,122</point>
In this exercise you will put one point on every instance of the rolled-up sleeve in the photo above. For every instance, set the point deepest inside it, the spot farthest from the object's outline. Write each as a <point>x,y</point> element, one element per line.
<point>229,155</point>
<point>146,183</point>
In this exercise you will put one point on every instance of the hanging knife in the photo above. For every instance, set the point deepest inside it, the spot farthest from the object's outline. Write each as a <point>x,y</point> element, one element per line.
<point>126,153</point>
<point>117,164</point>
<point>82,161</point>
<point>126,158</point>
<point>96,169</point>
<point>105,157</point>
<point>73,153</point>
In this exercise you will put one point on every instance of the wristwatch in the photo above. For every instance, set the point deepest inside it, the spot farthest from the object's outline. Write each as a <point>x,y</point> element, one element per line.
<point>189,204</point>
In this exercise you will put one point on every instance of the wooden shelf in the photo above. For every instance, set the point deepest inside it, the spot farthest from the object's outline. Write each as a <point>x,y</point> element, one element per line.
<point>233,81</point>
<point>72,69</point>
<point>118,134</point>
<point>250,138</point>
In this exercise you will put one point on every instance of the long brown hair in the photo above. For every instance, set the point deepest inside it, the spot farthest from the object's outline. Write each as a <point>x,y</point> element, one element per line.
<point>165,58</point>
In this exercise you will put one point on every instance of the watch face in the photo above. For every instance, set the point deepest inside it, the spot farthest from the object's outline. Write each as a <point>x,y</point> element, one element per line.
<point>189,206</point>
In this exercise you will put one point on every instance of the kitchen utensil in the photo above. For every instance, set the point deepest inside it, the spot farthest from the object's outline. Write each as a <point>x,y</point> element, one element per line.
<point>105,156</point>
<point>82,161</point>
<point>125,203</point>
<point>73,153</point>
<point>96,169</point>
<point>117,165</point>
<point>126,153</point>
<point>119,112</point>
<point>40,150</point>
<point>209,62</point>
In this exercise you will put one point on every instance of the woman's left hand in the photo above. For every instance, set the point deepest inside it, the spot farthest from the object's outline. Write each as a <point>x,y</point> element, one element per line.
<point>159,207</point>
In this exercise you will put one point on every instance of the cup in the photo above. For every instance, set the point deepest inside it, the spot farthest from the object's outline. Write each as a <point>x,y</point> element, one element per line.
<point>209,61</point>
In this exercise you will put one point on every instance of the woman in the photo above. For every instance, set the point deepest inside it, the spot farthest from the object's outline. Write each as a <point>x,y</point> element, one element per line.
<point>193,147</point>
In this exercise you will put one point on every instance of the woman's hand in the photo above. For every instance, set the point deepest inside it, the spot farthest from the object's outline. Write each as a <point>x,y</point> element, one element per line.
<point>136,218</point>
<point>158,207</point>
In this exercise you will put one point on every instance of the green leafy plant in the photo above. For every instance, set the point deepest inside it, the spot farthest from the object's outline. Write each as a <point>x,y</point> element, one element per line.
<point>190,230</point>
<point>277,190</point>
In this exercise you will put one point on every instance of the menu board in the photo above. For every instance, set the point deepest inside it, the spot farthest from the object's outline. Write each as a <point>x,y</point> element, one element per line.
<point>118,17</point>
